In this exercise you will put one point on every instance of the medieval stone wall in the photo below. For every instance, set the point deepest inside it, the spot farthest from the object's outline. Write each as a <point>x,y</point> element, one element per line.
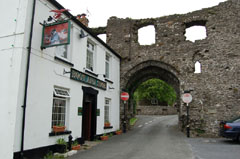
<point>216,90</point>
<point>156,110</point>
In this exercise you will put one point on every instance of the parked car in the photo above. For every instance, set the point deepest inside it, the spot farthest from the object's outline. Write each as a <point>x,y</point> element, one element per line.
<point>230,129</point>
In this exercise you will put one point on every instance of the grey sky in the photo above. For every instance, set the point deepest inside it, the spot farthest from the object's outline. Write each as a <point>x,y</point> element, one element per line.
<point>101,10</point>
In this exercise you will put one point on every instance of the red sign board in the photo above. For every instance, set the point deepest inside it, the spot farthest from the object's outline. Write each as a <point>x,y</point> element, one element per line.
<point>124,96</point>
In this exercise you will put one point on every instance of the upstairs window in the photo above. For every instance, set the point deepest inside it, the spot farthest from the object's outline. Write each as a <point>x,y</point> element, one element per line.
<point>62,51</point>
<point>90,55</point>
<point>107,66</point>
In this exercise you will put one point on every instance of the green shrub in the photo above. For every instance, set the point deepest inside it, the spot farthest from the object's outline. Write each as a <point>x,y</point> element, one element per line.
<point>61,141</point>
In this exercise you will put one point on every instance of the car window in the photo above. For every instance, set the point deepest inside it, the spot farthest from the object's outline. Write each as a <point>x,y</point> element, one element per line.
<point>236,121</point>
<point>233,120</point>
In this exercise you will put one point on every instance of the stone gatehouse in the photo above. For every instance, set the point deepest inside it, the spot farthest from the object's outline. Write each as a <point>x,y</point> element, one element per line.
<point>155,110</point>
<point>172,58</point>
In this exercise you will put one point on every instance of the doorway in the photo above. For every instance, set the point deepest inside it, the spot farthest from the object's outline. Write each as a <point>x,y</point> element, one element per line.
<point>89,118</point>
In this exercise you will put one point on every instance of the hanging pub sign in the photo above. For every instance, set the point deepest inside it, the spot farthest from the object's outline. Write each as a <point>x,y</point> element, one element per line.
<point>57,33</point>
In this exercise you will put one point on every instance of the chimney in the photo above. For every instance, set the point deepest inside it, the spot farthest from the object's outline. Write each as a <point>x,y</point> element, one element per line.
<point>83,19</point>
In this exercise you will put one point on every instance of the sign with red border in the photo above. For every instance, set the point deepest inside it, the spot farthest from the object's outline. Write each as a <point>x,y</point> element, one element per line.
<point>124,96</point>
<point>187,98</point>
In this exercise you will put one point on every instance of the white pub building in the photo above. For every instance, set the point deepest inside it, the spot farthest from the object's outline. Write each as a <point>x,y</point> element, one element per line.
<point>55,72</point>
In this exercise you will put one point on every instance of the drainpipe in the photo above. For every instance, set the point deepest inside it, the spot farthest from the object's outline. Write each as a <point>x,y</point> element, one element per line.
<point>26,80</point>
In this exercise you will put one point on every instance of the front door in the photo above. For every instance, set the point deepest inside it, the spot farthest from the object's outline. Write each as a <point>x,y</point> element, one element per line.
<point>87,119</point>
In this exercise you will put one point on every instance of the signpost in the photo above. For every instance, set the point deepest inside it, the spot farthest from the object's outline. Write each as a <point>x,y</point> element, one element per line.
<point>124,97</point>
<point>187,98</point>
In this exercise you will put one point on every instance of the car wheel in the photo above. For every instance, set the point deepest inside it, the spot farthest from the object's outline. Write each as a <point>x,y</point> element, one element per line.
<point>235,139</point>
<point>238,138</point>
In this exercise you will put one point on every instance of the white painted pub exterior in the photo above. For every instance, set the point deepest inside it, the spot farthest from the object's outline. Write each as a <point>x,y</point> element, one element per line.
<point>65,83</point>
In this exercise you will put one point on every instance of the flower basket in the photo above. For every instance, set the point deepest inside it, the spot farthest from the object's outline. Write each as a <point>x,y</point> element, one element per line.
<point>103,138</point>
<point>119,132</point>
<point>77,147</point>
<point>59,128</point>
<point>107,124</point>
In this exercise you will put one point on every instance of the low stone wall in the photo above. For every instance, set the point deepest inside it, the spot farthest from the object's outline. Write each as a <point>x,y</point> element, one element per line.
<point>156,110</point>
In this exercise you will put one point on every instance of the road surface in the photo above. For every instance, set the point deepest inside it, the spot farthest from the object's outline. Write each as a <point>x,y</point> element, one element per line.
<point>153,137</point>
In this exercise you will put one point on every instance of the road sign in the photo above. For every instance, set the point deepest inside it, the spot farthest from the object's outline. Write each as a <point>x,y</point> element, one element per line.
<point>124,96</point>
<point>187,98</point>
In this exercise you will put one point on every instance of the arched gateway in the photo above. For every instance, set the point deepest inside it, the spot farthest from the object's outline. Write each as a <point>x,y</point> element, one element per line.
<point>145,71</point>
<point>172,59</point>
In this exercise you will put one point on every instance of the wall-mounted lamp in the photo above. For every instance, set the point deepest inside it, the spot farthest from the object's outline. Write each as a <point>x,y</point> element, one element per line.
<point>50,18</point>
<point>65,72</point>
<point>82,34</point>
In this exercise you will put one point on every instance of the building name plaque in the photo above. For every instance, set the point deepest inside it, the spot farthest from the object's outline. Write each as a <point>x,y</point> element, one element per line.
<point>84,78</point>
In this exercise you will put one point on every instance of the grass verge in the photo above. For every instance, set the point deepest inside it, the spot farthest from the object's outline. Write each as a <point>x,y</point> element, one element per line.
<point>133,121</point>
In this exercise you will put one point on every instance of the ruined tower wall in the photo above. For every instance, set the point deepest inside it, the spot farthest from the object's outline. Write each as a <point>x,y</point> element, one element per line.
<point>216,92</point>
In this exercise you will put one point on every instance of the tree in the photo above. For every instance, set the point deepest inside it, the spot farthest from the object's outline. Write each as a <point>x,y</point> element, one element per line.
<point>156,89</point>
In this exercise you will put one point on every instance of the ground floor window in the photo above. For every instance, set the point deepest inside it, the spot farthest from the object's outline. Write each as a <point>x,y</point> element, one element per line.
<point>107,110</point>
<point>60,97</point>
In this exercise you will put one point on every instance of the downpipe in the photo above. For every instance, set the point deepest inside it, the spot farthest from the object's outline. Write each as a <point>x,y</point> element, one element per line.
<point>26,81</point>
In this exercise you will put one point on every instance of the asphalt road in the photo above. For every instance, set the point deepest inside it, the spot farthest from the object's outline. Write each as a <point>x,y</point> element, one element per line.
<point>218,148</point>
<point>153,137</point>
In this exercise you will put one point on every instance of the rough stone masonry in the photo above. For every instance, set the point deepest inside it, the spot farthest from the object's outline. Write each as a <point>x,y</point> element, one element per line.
<point>216,90</point>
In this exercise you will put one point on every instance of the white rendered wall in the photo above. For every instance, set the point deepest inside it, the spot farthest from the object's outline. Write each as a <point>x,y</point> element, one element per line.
<point>46,72</point>
<point>12,59</point>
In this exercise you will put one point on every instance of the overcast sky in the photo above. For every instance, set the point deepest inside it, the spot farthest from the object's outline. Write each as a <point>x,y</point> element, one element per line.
<point>101,10</point>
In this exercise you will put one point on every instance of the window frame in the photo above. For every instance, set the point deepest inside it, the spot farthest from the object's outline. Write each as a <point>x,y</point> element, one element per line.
<point>57,94</point>
<point>90,66</point>
<point>108,61</point>
<point>57,48</point>
<point>60,116</point>
<point>107,116</point>
<point>57,110</point>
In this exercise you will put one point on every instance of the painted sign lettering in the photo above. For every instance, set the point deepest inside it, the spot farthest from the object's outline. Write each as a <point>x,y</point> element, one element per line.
<point>84,78</point>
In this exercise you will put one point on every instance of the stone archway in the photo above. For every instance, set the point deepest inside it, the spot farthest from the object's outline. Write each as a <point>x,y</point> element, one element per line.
<point>143,72</point>
<point>147,70</point>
